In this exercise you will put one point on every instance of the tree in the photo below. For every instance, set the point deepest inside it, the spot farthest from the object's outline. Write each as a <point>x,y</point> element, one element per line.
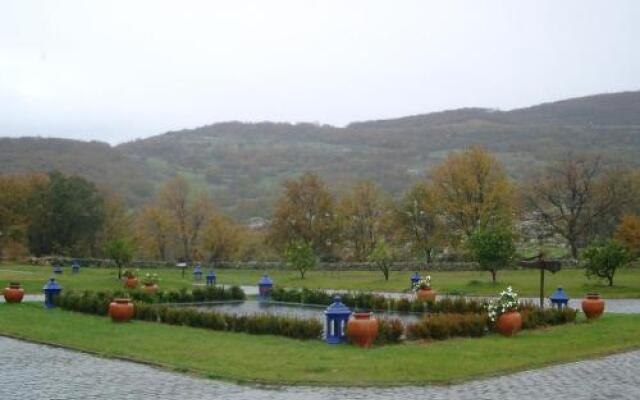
<point>381,256</point>
<point>305,212</point>
<point>301,256</point>
<point>187,217</point>
<point>175,198</point>
<point>15,213</point>
<point>417,219</point>
<point>120,251</point>
<point>117,220</point>
<point>155,230</point>
<point>570,198</point>
<point>604,258</point>
<point>66,215</point>
<point>220,238</point>
<point>492,248</point>
<point>473,191</point>
<point>363,214</point>
<point>628,233</point>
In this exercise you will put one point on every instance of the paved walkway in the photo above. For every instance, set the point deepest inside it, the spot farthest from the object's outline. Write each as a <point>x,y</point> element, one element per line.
<point>31,371</point>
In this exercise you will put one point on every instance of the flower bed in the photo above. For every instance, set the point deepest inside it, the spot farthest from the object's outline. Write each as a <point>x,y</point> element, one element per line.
<point>260,324</point>
<point>373,302</point>
<point>436,325</point>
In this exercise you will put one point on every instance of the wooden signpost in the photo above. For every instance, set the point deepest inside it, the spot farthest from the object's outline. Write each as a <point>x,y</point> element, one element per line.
<point>541,263</point>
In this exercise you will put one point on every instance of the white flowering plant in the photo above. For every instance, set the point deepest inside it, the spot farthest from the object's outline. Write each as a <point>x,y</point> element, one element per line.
<point>150,279</point>
<point>507,301</point>
<point>424,283</point>
<point>129,273</point>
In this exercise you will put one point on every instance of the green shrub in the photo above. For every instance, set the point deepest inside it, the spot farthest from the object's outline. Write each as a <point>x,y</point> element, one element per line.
<point>389,331</point>
<point>444,326</point>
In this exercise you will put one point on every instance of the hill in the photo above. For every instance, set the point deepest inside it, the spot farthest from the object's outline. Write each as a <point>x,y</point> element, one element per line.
<point>243,164</point>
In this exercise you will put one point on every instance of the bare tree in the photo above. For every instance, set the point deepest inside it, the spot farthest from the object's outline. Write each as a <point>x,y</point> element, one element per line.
<point>571,196</point>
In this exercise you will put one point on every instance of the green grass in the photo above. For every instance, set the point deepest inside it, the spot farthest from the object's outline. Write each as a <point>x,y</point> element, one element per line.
<point>275,360</point>
<point>627,281</point>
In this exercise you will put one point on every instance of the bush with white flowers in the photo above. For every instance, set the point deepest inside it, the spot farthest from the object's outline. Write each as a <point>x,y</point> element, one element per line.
<point>424,283</point>
<point>150,279</point>
<point>507,301</point>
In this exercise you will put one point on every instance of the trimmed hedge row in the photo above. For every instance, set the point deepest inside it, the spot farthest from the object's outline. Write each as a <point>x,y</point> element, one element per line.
<point>445,326</point>
<point>198,295</point>
<point>260,324</point>
<point>374,302</point>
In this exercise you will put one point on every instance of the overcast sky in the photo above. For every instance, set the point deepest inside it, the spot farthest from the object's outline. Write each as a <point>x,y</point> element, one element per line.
<point>120,70</point>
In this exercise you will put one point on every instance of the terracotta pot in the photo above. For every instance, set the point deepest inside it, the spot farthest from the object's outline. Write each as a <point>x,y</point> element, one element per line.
<point>426,294</point>
<point>131,283</point>
<point>13,293</point>
<point>150,288</point>
<point>509,323</point>
<point>121,310</point>
<point>593,305</point>
<point>362,329</point>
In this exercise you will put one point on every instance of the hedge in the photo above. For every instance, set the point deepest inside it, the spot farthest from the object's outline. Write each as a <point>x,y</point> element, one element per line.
<point>259,324</point>
<point>374,302</point>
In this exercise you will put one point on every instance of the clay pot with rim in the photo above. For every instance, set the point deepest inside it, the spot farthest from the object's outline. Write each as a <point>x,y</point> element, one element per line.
<point>150,288</point>
<point>426,294</point>
<point>509,323</point>
<point>362,329</point>
<point>121,310</point>
<point>13,293</point>
<point>593,305</point>
<point>131,282</point>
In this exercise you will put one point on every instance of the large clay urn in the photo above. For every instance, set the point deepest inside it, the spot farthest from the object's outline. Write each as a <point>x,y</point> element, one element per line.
<point>150,288</point>
<point>121,310</point>
<point>362,329</point>
<point>509,323</point>
<point>13,293</point>
<point>593,305</point>
<point>426,294</point>
<point>131,282</point>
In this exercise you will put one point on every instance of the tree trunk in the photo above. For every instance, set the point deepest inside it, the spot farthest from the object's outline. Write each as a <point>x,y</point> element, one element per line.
<point>119,271</point>
<point>610,278</point>
<point>574,249</point>
<point>386,274</point>
<point>302,271</point>
<point>493,275</point>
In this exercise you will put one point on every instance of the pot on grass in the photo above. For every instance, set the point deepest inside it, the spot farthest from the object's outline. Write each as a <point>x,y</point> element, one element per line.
<point>13,293</point>
<point>150,288</point>
<point>427,294</point>
<point>509,323</point>
<point>131,283</point>
<point>121,310</point>
<point>593,305</point>
<point>362,329</point>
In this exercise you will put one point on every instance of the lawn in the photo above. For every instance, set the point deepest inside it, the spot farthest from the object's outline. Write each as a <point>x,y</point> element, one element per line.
<point>627,281</point>
<point>276,360</point>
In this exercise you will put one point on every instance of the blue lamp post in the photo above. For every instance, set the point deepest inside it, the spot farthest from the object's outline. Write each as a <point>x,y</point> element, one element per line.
<point>57,268</point>
<point>559,298</point>
<point>197,272</point>
<point>211,278</point>
<point>51,289</point>
<point>75,266</point>
<point>265,285</point>
<point>337,316</point>
<point>415,278</point>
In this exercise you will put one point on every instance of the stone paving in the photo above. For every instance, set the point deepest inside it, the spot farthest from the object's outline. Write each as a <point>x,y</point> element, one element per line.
<point>31,371</point>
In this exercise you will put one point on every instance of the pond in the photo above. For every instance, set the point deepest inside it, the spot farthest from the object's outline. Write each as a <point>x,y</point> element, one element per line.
<point>251,307</point>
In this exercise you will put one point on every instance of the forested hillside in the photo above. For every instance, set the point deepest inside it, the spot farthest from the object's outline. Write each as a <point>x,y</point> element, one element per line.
<point>243,164</point>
